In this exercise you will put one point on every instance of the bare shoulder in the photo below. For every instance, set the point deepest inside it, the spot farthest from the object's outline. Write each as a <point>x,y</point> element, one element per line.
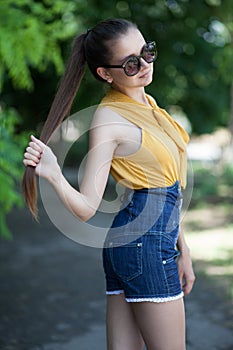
<point>106,116</point>
<point>108,126</point>
<point>111,122</point>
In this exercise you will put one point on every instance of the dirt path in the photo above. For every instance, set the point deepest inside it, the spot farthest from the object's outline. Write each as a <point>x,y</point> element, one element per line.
<point>52,294</point>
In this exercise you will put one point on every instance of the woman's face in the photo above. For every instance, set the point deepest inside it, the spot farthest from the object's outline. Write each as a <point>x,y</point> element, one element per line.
<point>127,45</point>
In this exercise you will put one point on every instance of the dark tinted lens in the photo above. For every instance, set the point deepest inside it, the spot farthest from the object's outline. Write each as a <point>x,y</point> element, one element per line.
<point>132,66</point>
<point>149,52</point>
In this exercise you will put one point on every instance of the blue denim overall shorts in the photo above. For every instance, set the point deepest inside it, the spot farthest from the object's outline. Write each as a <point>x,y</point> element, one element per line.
<point>139,255</point>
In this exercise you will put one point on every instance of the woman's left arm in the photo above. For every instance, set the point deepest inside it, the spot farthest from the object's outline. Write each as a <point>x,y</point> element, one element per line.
<point>184,263</point>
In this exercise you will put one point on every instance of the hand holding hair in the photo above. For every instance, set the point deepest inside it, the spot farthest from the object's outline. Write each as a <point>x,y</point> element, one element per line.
<point>41,157</point>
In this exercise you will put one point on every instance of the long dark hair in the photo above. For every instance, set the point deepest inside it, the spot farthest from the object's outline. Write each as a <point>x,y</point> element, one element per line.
<point>94,47</point>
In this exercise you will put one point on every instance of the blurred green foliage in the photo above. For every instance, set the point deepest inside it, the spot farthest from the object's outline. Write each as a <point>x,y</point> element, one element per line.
<point>194,68</point>
<point>30,36</point>
<point>11,167</point>
<point>212,184</point>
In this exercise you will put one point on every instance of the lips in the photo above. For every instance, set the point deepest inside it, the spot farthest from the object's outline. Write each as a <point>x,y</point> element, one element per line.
<point>145,74</point>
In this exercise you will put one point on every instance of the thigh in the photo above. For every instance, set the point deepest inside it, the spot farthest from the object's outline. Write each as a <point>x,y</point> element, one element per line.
<point>162,325</point>
<point>122,330</point>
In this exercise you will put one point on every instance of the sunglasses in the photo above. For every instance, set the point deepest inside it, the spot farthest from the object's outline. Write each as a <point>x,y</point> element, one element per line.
<point>133,65</point>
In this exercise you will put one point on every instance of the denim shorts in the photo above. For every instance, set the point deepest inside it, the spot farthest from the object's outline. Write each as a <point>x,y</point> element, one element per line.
<point>139,255</point>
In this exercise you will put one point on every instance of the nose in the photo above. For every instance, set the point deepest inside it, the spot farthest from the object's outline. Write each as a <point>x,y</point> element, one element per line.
<point>143,62</point>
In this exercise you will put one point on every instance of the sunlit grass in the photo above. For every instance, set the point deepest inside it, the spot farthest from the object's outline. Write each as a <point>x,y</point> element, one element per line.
<point>212,244</point>
<point>209,233</point>
<point>208,225</point>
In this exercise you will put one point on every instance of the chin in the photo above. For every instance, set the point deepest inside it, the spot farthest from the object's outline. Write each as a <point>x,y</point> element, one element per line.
<point>147,79</point>
<point>146,82</point>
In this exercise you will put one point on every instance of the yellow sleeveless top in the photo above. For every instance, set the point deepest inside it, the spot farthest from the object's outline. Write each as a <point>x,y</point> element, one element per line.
<point>161,158</point>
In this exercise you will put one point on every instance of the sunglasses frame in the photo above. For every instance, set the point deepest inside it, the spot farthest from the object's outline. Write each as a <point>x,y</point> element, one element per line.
<point>142,55</point>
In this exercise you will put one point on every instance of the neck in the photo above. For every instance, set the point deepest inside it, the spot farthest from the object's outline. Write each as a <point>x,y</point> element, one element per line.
<point>138,94</point>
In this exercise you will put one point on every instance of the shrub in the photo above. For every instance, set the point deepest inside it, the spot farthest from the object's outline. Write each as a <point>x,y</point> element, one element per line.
<point>11,167</point>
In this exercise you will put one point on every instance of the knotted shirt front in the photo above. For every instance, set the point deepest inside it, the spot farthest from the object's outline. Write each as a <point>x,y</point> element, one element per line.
<point>161,159</point>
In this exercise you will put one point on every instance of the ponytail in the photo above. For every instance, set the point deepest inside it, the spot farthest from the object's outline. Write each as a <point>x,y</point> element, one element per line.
<point>60,108</point>
<point>92,47</point>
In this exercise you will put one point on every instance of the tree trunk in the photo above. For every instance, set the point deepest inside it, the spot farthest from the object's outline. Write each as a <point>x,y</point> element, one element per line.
<point>228,152</point>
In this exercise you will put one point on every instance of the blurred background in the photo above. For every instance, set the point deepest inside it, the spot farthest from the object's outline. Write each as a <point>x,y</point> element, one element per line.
<point>193,80</point>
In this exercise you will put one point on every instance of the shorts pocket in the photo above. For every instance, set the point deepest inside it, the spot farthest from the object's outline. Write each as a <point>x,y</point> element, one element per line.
<point>169,255</point>
<point>127,260</point>
<point>172,276</point>
<point>168,260</point>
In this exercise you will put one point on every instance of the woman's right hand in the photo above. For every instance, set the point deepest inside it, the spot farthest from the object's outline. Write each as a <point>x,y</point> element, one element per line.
<point>41,157</point>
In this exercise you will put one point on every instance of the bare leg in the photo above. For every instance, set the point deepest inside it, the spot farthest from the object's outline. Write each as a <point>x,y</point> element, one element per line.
<point>162,325</point>
<point>122,329</point>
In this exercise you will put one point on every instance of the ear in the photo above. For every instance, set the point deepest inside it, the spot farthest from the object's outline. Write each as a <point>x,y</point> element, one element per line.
<point>104,74</point>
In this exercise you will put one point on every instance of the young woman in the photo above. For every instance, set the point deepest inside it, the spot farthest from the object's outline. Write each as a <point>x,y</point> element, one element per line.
<point>145,149</point>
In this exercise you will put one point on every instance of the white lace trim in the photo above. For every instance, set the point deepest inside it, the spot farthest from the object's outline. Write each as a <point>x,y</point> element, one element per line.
<point>155,300</point>
<point>115,292</point>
